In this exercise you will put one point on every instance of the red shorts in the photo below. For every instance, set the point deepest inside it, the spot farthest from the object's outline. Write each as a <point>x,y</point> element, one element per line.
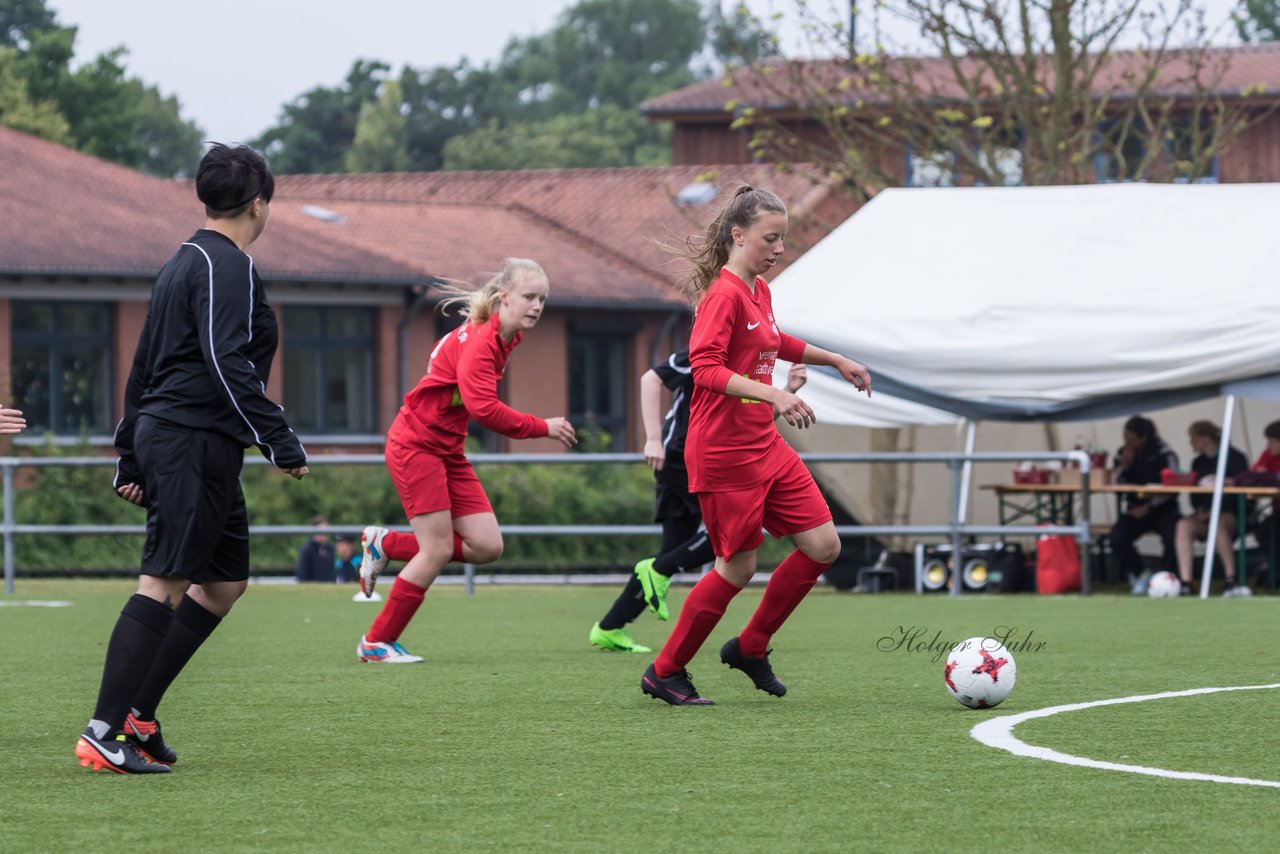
<point>428,483</point>
<point>787,504</point>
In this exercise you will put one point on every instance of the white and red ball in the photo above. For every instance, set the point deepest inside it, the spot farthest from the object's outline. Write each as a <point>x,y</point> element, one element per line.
<point>980,673</point>
<point>1164,585</point>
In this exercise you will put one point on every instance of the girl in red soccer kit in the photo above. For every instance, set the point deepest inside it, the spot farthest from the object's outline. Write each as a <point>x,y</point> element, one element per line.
<point>744,474</point>
<point>446,505</point>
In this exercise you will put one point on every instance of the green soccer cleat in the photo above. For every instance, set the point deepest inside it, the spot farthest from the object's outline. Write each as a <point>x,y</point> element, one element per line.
<point>655,586</point>
<point>614,640</point>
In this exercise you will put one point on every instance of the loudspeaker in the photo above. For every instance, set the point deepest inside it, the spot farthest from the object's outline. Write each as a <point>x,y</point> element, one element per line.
<point>982,567</point>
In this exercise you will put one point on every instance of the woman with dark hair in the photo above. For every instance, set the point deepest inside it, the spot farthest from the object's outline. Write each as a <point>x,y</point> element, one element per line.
<point>1140,460</point>
<point>195,400</point>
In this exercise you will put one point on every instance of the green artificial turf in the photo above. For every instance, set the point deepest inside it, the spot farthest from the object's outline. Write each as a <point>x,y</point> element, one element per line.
<point>516,735</point>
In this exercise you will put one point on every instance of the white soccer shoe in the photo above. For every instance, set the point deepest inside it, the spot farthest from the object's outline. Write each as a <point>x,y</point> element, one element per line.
<point>372,559</point>
<point>385,653</point>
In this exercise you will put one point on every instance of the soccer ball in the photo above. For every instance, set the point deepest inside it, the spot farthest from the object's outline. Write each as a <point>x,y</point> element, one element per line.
<point>980,673</point>
<point>1164,585</point>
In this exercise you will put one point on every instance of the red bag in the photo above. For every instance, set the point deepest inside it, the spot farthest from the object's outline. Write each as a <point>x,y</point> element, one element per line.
<point>1057,564</point>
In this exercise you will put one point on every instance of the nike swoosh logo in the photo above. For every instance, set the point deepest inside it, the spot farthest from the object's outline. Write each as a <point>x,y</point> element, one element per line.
<point>751,326</point>
<point>115,756</point>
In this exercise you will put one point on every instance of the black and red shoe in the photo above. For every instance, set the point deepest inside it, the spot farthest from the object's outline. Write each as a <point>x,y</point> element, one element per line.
<point>115,754</point>
<point>146,737</point>
<point>676,689</point>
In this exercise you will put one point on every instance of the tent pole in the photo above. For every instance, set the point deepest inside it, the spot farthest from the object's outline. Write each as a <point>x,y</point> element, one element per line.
<point>966,474</point>
<point>1215,510</point>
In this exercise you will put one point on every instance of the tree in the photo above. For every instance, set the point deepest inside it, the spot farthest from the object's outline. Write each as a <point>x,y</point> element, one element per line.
<point>381,138</point>
<point>20,18</point>
<point>318,126</point>
<point>102,110</point>
<point>1006,92</point>
<point>1258,20</point>
<point>20,112</point>
<point>600,138</point>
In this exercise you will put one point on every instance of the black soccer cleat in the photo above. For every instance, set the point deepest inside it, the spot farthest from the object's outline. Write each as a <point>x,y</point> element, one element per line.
<point>676,689</point>
<point>114,754</point>
<point>146,737</point>
<point>759,669</point>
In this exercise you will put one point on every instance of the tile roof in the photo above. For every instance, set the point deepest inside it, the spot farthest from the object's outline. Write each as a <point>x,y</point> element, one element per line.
<point>596,231</point>
<point>63,212</point>
<point>1233,70</point>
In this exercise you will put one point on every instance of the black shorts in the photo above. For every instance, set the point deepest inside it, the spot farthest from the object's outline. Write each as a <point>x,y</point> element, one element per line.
<point>197,526</point>
<point>672,499</point>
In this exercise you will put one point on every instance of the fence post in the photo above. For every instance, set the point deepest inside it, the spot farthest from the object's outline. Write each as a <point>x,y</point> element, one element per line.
<point>954,468</point>
<point>7,465</point>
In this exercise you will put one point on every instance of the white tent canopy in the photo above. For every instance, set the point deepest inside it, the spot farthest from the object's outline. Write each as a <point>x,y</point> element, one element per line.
<point>1042,303</point>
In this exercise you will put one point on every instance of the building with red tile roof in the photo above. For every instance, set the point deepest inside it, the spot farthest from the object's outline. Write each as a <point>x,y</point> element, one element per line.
<point>353,264</point>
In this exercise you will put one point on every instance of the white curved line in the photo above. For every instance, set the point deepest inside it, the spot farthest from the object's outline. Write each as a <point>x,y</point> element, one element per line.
<point>998,733</point>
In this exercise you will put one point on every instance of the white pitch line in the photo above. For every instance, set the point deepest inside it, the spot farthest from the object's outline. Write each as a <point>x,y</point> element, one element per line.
<point>998,733</point>
<point>34,603</point>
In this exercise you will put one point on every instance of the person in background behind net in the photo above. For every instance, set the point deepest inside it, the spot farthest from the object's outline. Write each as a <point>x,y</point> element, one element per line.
<point>315,558</point>
<point>346,560</point>
<point>1140,460</point>
<point>744,474</point>
<point>685,545</point>
<point>195,399</point>
<point>445,503</point>
<point>1206,438</point>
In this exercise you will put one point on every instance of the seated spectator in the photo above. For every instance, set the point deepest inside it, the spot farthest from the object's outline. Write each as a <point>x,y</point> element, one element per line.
<point>1206,439</point>
<point>1140,460</point>
<point>346,561</point>
<point>315,559</point>
<point>1269,464</point>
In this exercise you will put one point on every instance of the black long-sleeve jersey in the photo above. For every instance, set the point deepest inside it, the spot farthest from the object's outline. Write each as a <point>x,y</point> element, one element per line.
<point>205,353</point>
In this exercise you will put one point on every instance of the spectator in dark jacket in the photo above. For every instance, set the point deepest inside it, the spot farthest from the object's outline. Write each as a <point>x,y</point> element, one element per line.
<point>1140,460</point>
<point>315,558</point>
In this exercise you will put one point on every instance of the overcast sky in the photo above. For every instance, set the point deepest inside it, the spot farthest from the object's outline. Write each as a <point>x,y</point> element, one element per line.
<point>234,63</point>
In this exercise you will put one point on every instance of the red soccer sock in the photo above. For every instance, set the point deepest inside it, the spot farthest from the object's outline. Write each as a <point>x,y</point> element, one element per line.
<point>701,611</point>
<point>402,603</point>
<point>457,550</point>
<point>399,546</point>
<point>790,582</point>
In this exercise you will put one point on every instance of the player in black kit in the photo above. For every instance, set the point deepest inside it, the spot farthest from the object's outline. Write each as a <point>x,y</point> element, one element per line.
<point>195,399</point>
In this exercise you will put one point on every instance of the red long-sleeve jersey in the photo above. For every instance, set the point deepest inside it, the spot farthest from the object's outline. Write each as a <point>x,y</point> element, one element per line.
<point>730,438</point>
<point>461,383</point>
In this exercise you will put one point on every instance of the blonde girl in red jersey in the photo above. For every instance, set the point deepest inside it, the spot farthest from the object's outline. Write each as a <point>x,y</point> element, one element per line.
<point>447,508</point>
<point>745,476</point>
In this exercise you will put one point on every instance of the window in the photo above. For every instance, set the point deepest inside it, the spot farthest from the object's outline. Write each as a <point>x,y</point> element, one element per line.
<point>328,369</point>
<point>598,386</point>
<point>1122,151</point>
<point>61,375</point>
<point>930,169</point>
<point>1188,152</point>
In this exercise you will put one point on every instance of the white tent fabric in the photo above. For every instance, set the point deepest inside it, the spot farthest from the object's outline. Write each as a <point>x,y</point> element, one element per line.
<point>1035,303</point>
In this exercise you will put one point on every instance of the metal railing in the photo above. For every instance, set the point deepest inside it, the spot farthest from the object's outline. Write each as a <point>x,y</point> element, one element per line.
<point>956,529</point>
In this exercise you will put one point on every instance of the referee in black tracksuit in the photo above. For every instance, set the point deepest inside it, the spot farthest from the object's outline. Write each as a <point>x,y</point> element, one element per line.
<point>196,398</point>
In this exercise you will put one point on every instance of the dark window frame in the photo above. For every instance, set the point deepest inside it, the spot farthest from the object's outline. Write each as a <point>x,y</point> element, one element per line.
<point>58,341</point>
<point>320,347</point>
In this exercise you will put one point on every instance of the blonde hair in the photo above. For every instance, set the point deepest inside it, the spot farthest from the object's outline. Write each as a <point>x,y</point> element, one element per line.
<point>1206,430</point>
<point>478,305</point>
<point>709,252</point>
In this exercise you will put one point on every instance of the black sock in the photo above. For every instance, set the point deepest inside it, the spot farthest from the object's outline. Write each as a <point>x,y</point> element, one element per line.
<point>692,553</point>
<point>629,605</point>
<point>192,625</point>
<point>134,644</point>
